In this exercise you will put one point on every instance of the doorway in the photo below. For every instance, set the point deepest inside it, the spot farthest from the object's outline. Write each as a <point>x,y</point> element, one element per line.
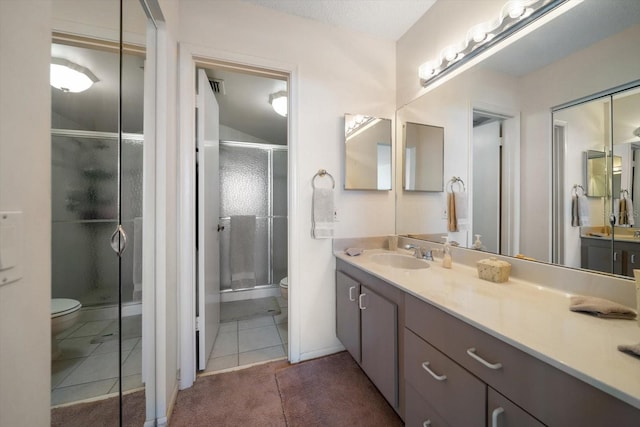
<point>251,220</point>
<point>495,181</point>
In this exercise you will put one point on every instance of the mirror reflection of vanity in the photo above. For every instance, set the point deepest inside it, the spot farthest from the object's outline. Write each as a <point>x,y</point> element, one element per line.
<point>554,68</point>
<point>368,153</point>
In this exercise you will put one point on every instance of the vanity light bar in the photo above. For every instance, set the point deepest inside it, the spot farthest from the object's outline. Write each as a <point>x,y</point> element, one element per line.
<point>514,15</point>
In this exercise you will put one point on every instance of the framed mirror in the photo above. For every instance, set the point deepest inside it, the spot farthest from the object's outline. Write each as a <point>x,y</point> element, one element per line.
<point>423,160</point>
<point>368,152</point>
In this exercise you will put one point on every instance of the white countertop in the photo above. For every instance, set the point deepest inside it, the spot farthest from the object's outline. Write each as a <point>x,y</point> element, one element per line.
<point>532,318</point>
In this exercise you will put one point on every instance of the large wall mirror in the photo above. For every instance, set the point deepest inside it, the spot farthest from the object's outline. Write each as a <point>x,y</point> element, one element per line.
<point>367,147</point>
<point>583,52</point>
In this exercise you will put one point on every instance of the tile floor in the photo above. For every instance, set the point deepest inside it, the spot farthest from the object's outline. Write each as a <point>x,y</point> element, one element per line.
<point>87,369</point>
<point>243,342</point>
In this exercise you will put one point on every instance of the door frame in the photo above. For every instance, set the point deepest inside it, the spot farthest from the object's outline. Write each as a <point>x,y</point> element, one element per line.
<point>510,226</point>
<point>190,57</point>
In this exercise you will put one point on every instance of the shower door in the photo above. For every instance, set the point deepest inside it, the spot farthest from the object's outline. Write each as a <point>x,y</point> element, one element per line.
<point>98,151</point>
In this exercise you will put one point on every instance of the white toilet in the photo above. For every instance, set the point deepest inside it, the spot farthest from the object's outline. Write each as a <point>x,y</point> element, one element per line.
<point>64,314</point>
<point>284,287</point>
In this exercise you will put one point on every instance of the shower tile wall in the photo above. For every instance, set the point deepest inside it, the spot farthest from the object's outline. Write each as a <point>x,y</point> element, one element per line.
<point>244,190</point>
<point>84,212</point>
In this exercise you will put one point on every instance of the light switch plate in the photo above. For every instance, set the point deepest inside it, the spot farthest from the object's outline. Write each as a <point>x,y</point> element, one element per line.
<point>11,238</point>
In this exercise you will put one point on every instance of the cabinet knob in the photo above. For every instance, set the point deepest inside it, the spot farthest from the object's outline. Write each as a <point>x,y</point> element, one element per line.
<point>633,258</point>
<point>494,416</point>
<point>426,423</point>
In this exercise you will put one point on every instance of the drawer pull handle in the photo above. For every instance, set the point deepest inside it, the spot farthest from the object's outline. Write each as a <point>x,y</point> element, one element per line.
<point>351,297</point>
<point>472,352</point>
<point>494,416</point>
<point>360,304</point>
<point>426,423</point>
<point>425,366</point>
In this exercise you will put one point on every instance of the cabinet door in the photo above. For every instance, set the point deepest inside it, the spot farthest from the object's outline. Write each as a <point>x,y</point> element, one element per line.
<point>378,318</point>
<point>348,314</point>
<point>597,256</point>
<point>632,259</point>
<point>504,413</point>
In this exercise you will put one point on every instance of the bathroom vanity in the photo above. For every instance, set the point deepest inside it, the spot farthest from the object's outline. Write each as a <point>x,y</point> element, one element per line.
<point>448,349</point>
<point>596,254</point>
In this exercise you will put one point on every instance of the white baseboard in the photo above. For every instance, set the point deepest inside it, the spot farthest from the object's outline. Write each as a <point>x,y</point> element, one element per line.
<point>320,353</point>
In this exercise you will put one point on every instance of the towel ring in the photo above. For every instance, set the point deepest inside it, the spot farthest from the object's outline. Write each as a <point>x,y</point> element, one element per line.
<point>574,190</point>
<point>624,193</point>
<point>454,180</point>
<point>320,174</point>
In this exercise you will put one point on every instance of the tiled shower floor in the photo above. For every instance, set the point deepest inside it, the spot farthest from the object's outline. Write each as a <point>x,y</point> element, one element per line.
<point>244,342</point>
<point>85,370</point>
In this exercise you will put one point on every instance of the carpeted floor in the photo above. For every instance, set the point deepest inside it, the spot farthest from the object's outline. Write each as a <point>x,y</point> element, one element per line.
<point>329,391</point>
<point>102,413</point>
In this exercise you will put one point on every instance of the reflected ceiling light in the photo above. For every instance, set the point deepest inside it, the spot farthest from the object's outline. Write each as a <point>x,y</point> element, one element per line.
<point>70,77</point>
<point>514,15</point>
<point>279,102</point>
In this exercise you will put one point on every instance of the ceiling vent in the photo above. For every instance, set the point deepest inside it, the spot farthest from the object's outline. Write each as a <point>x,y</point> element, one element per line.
<point>218,86</point>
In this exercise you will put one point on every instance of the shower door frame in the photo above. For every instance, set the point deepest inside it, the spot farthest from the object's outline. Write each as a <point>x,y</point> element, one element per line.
<point>269,148</point>
<point>190,57</point>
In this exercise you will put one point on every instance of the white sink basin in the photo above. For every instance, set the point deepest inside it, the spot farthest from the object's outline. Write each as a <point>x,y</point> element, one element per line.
<point>399,261</point>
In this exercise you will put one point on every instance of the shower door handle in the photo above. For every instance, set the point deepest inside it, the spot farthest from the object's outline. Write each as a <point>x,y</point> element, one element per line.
<point>119,240</point>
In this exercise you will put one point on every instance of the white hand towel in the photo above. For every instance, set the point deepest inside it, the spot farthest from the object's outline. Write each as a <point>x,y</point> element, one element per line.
<point>630,220</point>
<point>583,210</point>
<point>462,210</point>
<point>242,250</point>
<point>322,213</point>
<point>575,219</point>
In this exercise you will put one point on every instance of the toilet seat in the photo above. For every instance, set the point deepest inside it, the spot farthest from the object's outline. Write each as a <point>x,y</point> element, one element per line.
<point>63,306</point>
<point>284,283</point>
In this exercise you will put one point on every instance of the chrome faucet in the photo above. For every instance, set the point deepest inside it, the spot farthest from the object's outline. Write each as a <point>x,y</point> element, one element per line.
<point>420,252</point>
<point>636,234</point>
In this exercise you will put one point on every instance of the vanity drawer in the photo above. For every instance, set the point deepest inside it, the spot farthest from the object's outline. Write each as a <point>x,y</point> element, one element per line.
<point>550,395</point>
<point>501,412</point>
<point>418,411</point>
<point>454,393</point>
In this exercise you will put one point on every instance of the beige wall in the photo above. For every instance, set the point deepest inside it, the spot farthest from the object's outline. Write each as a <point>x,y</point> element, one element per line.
<point>25,185</point>
<point>338,72</point>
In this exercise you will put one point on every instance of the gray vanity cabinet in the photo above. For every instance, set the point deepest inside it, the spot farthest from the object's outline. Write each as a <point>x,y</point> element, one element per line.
<point>549,395</point>
<point>368,313</point>
<point>348,314</point>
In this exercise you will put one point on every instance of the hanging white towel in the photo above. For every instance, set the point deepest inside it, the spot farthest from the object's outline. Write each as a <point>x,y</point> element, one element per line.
<point>629,205</point>
<point>583,210</point>
<point>579,210</point>
<point>322,213</point>
<point>242,250</point>
<point>462,209</point>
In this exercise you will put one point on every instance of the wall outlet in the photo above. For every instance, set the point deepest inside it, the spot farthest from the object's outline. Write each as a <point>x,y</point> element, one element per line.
<point>335,216</point>
<point>445,214</point>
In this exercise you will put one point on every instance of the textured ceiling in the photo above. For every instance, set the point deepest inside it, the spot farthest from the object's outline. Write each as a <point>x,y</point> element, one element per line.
<point>387,19</point>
